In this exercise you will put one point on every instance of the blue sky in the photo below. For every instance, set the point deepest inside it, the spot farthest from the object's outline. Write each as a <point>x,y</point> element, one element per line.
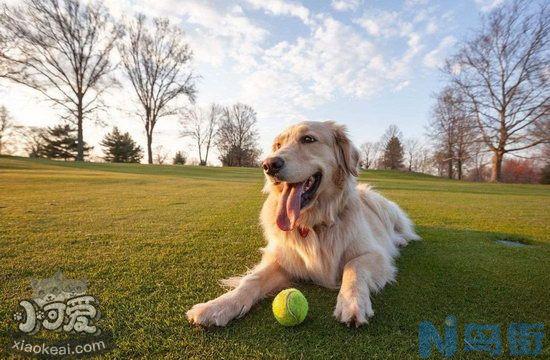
<point>367,64</point>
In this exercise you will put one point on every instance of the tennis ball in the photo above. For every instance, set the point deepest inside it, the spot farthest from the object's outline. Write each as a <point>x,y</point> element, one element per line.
<point>290,307</point>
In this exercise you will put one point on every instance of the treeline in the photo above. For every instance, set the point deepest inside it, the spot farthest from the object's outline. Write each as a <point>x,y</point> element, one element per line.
<point>231,130</point>
<point>395,152</point>
<point>64,50</point>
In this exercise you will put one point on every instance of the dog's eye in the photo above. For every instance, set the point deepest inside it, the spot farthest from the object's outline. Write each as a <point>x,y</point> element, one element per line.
<point>277,146</point>
<point>308,139</point>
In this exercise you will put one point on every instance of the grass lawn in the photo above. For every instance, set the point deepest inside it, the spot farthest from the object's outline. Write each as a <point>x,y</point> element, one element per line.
<point>154,240</point>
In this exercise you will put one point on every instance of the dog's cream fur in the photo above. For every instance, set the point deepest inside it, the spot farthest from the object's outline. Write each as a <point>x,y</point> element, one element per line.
<point>354,232</point>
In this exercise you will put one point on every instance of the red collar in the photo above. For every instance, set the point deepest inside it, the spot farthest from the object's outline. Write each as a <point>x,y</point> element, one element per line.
<point>304,231</point>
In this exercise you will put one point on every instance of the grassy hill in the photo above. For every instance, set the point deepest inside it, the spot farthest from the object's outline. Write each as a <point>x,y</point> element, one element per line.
<point>154,240</point>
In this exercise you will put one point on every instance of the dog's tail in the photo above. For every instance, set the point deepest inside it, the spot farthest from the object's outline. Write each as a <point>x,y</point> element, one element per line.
<point>392,216</point>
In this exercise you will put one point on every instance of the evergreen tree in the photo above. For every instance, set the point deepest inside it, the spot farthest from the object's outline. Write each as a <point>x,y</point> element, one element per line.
<point>121,148</point>
<point>179,159</point>
<point>60,142</point>
<point>393,154</point>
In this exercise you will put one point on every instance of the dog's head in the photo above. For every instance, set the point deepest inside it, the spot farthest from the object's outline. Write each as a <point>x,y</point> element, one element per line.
<point>310,162</point>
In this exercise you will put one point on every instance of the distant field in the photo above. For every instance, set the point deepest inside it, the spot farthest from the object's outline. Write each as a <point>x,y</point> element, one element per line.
<point>154,240</point>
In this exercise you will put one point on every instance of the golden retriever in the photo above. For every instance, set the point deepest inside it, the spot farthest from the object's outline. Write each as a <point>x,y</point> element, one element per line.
<point>320,226</point>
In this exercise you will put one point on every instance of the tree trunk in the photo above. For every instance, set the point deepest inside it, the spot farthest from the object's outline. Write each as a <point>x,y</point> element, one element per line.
<point>149,148</point>
<point>149,126</point>
<point>496,173</point>
<point>80,135</point>
<point>459,169</point>
<point>201,161</point>
<point>450,168</point>
<point>206,155</point>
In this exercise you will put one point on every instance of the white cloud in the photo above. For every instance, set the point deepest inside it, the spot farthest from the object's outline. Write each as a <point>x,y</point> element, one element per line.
<point>488,5</point>
<point>383,23</point>
<point>403,84</point>
<point>412,3</point>
<point>371,26</point>
<point>435,58</point>
<point>335,61</point>
<point>213,32</point>
<point>281,7</point>
<point>313,70</point>
<point>416,23</point>
<point>397,25</point>
<point>431,28</point>
<point>400,69</point>
<point>345,5</point>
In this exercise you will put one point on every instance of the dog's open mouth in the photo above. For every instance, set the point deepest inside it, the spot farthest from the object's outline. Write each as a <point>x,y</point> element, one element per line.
<point>295,197</point>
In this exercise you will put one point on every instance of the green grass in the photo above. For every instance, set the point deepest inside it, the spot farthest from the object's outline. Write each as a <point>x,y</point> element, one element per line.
<point>154,240</point>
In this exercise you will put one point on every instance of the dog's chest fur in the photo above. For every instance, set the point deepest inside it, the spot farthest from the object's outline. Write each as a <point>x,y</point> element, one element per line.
<point>309,258</point>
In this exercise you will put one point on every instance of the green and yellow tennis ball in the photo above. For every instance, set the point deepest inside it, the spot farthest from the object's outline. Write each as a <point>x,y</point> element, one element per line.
<point>290,307</point>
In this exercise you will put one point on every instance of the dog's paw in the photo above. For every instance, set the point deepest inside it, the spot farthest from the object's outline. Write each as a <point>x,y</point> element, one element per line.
<point>208,314</point>
<point>351,310</point>
<point>217,312</point>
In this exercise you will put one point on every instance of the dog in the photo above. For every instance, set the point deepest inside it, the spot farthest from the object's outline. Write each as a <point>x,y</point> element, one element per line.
<point>321,226</point>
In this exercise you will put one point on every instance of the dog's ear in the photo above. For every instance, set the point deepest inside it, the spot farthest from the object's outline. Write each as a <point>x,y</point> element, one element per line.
<point>346,154</point>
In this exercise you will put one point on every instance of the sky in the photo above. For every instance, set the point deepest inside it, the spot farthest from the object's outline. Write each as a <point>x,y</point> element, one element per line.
<point>364,63</point>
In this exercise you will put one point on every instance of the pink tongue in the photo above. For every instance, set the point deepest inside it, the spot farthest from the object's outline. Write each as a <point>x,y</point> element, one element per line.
<point>288,210</point>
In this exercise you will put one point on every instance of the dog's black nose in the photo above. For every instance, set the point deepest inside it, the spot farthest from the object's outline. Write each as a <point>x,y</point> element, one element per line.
<point>273,165</point>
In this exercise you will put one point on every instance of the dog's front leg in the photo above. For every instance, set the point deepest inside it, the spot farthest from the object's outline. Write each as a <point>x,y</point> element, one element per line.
<point>265,278</point>
<point>362,276</point>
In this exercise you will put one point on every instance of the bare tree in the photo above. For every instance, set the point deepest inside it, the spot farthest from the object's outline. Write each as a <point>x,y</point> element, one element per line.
<point>6,129</point>
<point>466,137</point>
<point>478,169</point>
<point>5,70</point>
<point>452,130</point>
<point>440,161</point>
<point>33,140</point>
<point>160,155</point>
<point>201,126</point>
<point>503,74</point>
<point>442,128</point>
<point>61,48</point>
<point>411,147</point>
<point>370,152</point>
<point>237,136</point>
<point>3,65</point>
<point>156,60</point>
<point>424,160</point>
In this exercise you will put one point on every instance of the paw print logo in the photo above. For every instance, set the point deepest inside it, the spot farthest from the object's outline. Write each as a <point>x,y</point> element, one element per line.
<point>40,315</point>
<point>18,316</point>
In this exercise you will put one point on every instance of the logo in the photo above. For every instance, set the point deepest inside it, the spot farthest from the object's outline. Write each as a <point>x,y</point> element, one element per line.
<point>524,339</point>
<point>58,304</point>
